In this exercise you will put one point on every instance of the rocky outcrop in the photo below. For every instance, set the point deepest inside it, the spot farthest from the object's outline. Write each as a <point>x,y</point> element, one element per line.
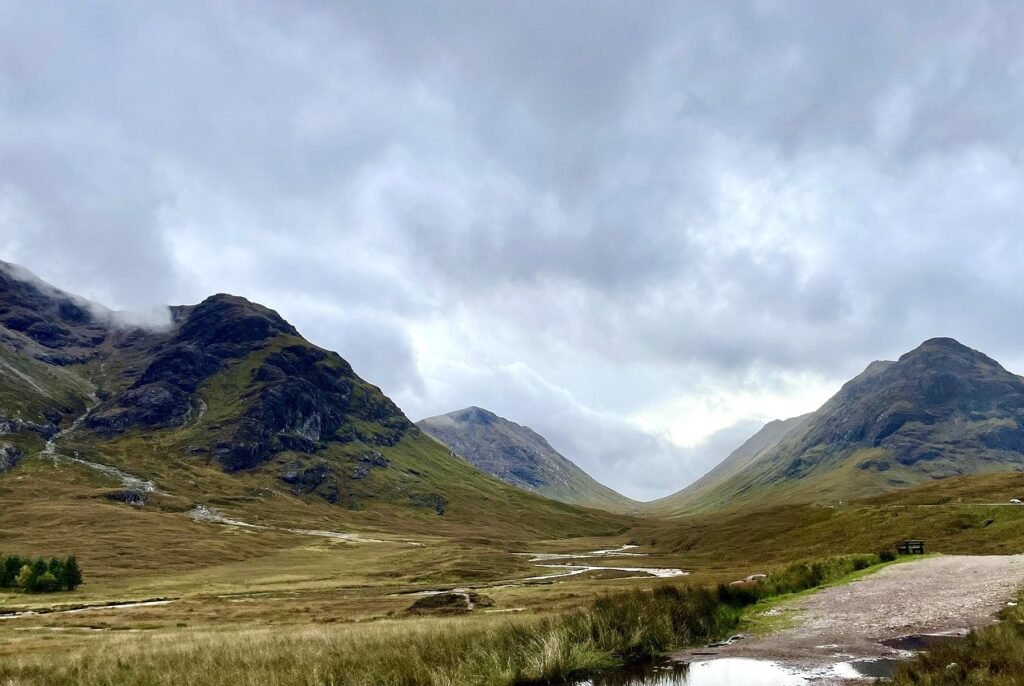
<point>303,397</point>
<point>17,426</point>
<point>207,336</point>
<point>53,326</point>
<point>10,456</point>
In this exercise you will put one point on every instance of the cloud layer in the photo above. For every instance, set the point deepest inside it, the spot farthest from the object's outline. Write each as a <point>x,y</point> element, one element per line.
<point>637,229</point>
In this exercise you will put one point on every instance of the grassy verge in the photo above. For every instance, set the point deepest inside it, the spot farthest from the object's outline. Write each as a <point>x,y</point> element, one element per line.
<point>992,656</point>
<point>487,651</point>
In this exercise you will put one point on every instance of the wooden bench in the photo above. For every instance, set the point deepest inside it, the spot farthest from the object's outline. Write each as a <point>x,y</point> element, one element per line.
<point>910,548</point>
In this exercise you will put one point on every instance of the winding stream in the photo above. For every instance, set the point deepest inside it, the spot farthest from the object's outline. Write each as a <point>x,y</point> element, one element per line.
<point>547,561</point>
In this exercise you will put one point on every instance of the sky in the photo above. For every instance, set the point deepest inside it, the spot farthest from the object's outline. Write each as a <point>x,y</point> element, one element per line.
<point>642,229</point>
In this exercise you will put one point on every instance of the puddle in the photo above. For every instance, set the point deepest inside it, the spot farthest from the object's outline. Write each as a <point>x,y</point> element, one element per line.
<point>880,668</point>
<point>918,642</point>
<point>723,672</point>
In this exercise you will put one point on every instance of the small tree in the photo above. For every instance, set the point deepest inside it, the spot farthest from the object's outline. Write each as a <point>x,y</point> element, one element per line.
<point>46,583</point>
<point>7,573</point>
<point>12,565</point>
<point>71,574</point>
<point>55,567</point>
<point>26,578</point>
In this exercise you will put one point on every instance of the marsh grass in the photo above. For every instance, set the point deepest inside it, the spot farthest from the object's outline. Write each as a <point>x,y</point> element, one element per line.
<point>485,651</point>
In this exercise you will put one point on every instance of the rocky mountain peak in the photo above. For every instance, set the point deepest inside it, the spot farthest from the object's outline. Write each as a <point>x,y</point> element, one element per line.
<point>518,456</point>
<point>46,322</point>
<point>945,352</point>
<point>475,415</point>
<point>229,319</point>
<point>943,409</point>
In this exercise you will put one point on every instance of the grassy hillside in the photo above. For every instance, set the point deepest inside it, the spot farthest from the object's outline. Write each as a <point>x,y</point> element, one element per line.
<point>969,515</point>
<point>696,495</point>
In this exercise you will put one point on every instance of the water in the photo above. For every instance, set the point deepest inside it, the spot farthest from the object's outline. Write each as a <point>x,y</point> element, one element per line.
<point>919,642</point>
<point>743,672</point>
<point>547,560</point>
<point>722,672</point>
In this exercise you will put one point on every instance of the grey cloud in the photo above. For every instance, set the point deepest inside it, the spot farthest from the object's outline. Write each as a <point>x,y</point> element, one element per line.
<point>639,203</point>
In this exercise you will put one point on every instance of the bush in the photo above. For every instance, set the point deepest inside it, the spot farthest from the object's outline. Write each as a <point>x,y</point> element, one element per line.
<point>886,556</point>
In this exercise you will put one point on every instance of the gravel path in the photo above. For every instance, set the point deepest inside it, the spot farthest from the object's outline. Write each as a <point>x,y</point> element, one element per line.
<point>935,595</point>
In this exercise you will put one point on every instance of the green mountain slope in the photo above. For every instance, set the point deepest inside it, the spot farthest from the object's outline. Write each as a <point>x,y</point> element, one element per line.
<point>941,410</point>
<point>770,435</point>
<point>228,407</point>
<point>521,457</point>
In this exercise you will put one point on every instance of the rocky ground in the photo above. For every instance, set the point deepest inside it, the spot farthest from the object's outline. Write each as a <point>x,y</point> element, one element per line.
<point>934,595</point>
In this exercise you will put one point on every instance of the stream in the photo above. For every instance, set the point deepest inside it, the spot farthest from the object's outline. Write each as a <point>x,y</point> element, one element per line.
<point>129,481</point>
<point>548,561</point>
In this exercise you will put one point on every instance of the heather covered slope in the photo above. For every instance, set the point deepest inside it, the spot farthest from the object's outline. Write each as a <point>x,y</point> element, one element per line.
<point>521,457</point>
<point>941,410</point>
<point>226,405</point>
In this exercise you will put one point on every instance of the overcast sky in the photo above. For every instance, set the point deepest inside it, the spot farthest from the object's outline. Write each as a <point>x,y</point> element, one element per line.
<point>641,228</point>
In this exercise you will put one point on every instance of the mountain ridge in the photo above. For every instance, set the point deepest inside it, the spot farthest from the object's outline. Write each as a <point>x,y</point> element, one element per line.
<point>228,405</point>
<point>519,456</point>
<point>942,409</point>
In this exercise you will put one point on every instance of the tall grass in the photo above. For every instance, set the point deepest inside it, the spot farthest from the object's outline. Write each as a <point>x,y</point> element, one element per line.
<point>993,656</point>
<point>482,651</point>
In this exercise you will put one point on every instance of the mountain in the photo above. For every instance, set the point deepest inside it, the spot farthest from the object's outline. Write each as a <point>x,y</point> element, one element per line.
<point>770,435</point>
<point>519,456</point>
<point>941,410</point>
<point>224,404</point>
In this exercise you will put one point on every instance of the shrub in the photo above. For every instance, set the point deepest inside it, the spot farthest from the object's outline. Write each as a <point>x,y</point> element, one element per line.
<point>886,556</point>
<point>45,583</point>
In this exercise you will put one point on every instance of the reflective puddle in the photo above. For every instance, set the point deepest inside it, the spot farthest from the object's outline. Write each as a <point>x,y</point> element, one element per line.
<point>918,642</point>
<point>752,672</point>
<point>722,672</point>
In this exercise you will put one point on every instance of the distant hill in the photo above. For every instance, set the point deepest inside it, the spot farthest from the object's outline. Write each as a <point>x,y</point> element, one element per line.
<point>941,410</point>
<point>226,404</point>
<point>521,457</point>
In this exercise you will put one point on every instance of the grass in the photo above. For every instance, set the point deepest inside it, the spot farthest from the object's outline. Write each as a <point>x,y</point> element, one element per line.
<point>966,515</point>
<point>486,651</point>
<point>993,656</point>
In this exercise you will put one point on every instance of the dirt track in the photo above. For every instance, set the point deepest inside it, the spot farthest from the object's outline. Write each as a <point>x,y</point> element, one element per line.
<point>933,595</point>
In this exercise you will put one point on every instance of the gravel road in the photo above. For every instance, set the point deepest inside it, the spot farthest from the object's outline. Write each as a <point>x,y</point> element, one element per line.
<point>934,595</point>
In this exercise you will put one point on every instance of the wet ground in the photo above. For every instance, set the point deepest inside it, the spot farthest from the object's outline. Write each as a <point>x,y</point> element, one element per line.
<point>866,626</point>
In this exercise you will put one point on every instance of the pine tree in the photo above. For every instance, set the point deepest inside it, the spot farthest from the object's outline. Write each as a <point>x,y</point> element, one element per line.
<point>71,574</point>
<point>7,575</point>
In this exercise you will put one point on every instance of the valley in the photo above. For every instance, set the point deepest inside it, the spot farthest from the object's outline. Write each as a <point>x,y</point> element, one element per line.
<point>226,485</point>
